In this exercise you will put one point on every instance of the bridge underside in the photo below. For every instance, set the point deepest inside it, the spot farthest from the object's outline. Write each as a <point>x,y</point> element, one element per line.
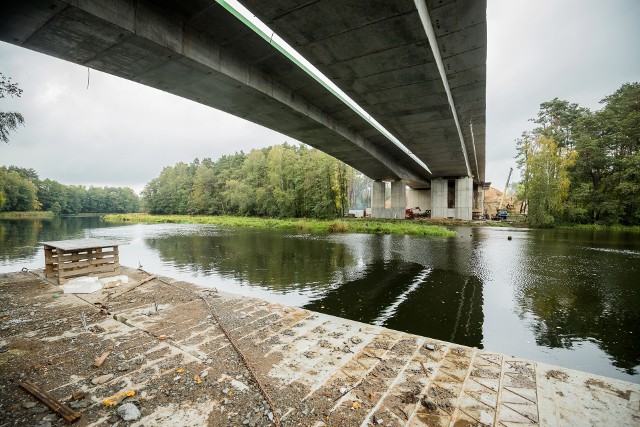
<point>379,55</point>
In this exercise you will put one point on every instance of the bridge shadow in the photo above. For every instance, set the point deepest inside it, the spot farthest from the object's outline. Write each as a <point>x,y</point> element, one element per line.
<point>437,303</point>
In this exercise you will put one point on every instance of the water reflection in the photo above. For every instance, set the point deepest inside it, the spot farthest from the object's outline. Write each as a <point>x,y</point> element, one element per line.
<point>18,239</point>
<point>587,291</point>
<point>274,260</point>
<point>438,303</point>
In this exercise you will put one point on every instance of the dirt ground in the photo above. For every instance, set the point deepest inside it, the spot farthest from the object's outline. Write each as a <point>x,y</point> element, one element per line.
<point>492,198</point>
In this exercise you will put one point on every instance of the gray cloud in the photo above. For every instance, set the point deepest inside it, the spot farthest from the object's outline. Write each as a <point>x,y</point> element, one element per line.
<point>121,133</point>
<point>579,50</point>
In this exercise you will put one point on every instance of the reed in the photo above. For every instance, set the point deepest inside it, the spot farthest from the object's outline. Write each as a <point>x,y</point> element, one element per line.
<point>373,226</point>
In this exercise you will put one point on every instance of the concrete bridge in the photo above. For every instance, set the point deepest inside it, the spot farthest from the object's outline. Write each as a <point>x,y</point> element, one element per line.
<point>417,67</point>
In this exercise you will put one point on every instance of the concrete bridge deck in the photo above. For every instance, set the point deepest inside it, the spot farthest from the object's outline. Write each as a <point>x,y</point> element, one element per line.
<point>166,346</point>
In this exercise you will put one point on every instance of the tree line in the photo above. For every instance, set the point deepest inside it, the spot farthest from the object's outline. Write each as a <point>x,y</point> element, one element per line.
<point>582,166</point>
<point>279,181</point>
<point>21,190</point>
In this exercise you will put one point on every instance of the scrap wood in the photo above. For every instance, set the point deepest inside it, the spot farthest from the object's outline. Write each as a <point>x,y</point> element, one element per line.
<point>103,304</point>
<point>140,283</point>
<point>100,360</point>
<point>58,407</point>
<point>424,369</point>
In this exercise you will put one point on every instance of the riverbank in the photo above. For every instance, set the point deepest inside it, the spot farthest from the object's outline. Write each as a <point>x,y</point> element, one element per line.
<point>27,215</point>
<point>160,351</point>
<point>598,227</point>
<point>373,226</point>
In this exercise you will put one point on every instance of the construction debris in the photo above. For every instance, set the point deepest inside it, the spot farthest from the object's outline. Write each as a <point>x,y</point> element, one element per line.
<point>100,360</point>
<point>58,407</point>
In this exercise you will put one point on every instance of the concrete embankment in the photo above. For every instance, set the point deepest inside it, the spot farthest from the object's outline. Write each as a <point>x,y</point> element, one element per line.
<point>172,353</point>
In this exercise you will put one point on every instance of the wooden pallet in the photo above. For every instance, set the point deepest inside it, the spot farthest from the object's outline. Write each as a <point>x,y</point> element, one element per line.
<point>67,259</point>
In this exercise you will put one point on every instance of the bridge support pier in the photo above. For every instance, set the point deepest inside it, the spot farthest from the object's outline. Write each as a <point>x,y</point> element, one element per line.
<point>398,200</point>
<point>464,198</point>
<point>377,199</point>
<point>439,192</point>
<point>452,198</point>
<point>478,198</point>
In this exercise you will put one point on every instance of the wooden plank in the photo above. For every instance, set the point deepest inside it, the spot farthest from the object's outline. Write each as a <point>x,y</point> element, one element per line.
<point>87,271</point>
<point>100,360</point>
<point>56,406</point>
<point>78,244</point>
<point>48,262</point>
<point>88,263</point>
<point>77,257</point>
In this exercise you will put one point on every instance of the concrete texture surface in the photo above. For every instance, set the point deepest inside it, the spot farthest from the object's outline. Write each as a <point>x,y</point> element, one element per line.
<point>439,201</point>
<point>464,198</point>
<point>169,358</point>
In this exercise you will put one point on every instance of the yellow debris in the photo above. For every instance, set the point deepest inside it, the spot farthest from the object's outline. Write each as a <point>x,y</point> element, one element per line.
<point>356,405</point>
<point>181,370</point>
<point>113,400</point>
<point>197,379</point>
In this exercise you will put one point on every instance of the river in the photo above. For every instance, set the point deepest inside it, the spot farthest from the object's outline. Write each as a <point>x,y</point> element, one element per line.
<point>568,298</point>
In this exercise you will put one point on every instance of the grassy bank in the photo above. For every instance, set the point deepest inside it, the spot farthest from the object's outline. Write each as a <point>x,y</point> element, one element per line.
<point>376,226</point>
<point>28,215</point>
<point>599,227</point>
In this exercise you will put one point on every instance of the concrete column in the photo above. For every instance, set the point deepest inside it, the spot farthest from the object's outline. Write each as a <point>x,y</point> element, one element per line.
<point>477,197</point>
<point>478,202</point>
<point>377,199</point>
<point>398,199</point>
<point>439,198</point>
<point>464,198</point>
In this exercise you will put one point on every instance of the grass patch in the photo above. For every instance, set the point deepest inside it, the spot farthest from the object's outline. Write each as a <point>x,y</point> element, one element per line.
<point>600,227</point>
<point>29,214</point>
<point>375,226</point>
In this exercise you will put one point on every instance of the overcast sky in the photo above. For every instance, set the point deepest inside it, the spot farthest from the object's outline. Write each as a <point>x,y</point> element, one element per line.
<point>121,133</point>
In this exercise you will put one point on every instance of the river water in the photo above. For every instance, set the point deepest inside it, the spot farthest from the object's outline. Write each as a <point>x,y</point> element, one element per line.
<point>569,298</point>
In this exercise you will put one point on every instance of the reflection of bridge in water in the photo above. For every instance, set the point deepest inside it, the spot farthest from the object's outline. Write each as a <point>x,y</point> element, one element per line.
<point>436,303</point>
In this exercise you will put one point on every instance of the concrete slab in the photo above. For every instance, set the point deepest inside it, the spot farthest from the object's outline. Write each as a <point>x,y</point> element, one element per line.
<point>320,370</point>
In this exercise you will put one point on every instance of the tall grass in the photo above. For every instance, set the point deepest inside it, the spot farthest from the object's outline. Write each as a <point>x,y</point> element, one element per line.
<point>375,226</point>
<point>29,214</point>
<point>600,227</point>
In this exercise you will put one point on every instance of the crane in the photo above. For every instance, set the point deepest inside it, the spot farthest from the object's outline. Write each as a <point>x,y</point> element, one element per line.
<point>505,188</point>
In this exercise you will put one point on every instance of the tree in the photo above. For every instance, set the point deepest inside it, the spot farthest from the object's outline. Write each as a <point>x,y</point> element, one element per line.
<point>9,121</point>
<point>279,181</point>
<point>596,162</point>
<point>546,177</point>
<point>557,119</point>
<point>17,193</point>
<point>53,196</point>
